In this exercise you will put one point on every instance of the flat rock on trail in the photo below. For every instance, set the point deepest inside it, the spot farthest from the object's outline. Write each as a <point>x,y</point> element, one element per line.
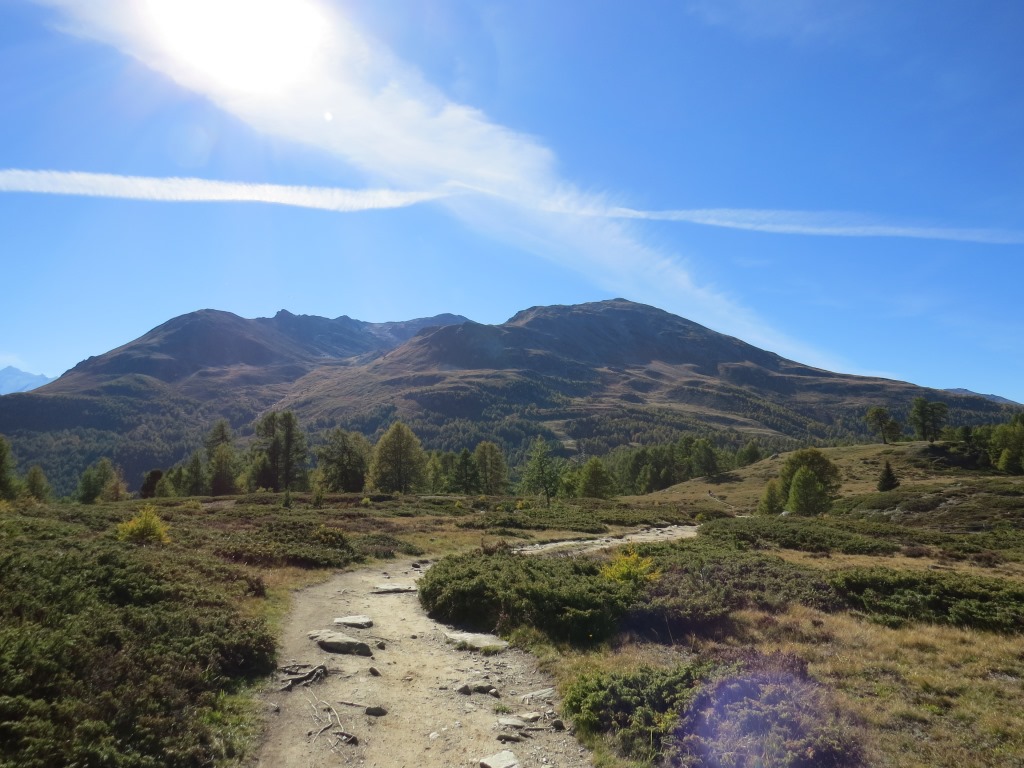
<point>427,722</point>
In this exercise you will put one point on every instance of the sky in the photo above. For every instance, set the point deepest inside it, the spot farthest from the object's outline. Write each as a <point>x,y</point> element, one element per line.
<point>837,181</point>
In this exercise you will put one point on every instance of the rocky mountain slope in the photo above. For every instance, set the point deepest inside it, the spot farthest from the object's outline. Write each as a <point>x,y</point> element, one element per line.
<point>591,375</point>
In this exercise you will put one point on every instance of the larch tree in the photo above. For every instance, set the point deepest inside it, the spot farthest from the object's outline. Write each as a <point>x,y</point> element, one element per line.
<point>492,467</point>
<point>8,478</point>
<point>595,481</point>
<point>344,460</point>
<point>807,496</point>
<point>36,484</point>
<point>398,461</point>
<point>772,502</point>
<point>541,473</point>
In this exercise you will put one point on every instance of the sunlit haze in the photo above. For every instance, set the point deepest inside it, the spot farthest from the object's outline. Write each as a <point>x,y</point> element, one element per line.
<point>254,46</point>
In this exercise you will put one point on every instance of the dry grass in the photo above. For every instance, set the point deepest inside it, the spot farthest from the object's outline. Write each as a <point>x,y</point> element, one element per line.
<point>926,695</point>
<point>838,561</point>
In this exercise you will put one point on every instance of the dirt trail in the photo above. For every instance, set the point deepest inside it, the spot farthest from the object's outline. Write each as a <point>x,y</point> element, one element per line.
<point>428,722</point>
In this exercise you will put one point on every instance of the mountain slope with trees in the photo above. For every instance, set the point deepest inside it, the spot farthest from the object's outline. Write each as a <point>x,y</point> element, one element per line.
<point>591,377</point>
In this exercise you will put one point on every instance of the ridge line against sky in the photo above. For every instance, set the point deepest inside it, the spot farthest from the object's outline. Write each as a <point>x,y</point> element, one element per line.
<point>322,79</point>
<point>343,200</point>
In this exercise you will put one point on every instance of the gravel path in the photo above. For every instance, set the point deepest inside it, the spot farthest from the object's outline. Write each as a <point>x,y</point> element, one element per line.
<point>414,674</point>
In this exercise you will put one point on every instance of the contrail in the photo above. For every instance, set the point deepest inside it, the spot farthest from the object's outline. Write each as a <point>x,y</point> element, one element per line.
<point>184,190</point>
<point>822,224</point>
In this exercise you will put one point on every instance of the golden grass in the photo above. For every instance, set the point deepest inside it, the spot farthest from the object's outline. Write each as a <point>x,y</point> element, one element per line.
<point>926,695</point>
<point>838,561</point>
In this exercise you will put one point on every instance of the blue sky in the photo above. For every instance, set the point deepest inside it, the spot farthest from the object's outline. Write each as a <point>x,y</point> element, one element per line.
<point>838,182</point>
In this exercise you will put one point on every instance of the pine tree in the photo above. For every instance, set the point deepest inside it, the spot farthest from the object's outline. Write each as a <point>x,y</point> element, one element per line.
<point>824,471</point>
<point>887,480</point>
<point>467,477</point>
<point>222,470</point>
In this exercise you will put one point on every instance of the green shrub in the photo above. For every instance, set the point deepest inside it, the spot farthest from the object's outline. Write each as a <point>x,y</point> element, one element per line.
<point>795,533</point>
<point>763,711</point>
<point>638,708</point>
<point>702,583</point>
<point>115,656</point>
<point>145,528</point>
<point>747,710</point>
<point>383,546</point>
<point>897,597</point>
<point>567,598</point>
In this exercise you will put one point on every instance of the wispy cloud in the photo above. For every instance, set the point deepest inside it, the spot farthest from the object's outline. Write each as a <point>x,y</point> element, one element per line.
<point>402,132</point>
<point>822,224</point>
<point>205,190</point>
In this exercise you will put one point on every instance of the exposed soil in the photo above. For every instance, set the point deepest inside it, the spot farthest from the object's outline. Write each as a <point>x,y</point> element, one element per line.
<point>428,722</point>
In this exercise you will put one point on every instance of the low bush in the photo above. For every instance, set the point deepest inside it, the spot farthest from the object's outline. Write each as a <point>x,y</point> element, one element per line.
<point>701,583</point>
<point>118,656</point>
<point>383,546</point>
<point>763,710</point>
<point>795,533</point>
<point>276,543</point>
<point>638,709</point>
<point>739,712</point>
<point>145,528</point>
<point>566,598</point>
<point>897,597</point>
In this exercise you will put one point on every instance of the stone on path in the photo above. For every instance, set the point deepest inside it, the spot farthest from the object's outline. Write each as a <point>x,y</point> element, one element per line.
<point>358,622</point>
<point>476,641</point>
<point>503,759</point>
<point>336,642</point>
<point>390,589</point>
<point>547,694</point>
<point>376,711</point>
<point>511,722</point>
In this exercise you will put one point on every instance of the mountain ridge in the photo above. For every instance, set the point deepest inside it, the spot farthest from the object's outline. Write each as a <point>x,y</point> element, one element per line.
<point>590,376</point>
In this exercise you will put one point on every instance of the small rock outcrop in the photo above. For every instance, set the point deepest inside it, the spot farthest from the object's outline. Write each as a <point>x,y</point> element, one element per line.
<point>336,642</point>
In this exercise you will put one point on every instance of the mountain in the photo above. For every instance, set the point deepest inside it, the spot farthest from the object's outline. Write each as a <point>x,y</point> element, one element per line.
<point>993,398</point>
<point>15,380</point>
<point>592,375</point>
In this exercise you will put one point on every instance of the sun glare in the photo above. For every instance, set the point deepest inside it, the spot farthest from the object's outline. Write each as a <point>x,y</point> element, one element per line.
<point>251,46</point>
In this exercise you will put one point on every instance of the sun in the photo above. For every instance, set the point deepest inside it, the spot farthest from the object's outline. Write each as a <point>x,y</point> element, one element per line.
<point>249,46</point>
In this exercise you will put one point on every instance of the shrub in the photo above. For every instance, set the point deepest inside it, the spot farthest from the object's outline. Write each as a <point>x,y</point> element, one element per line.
<point>897,597</point>
<point>638,708</point>
<point>702,583</point>
<point>763,711</point>
<point>566,598</point>
<point>145,528</point>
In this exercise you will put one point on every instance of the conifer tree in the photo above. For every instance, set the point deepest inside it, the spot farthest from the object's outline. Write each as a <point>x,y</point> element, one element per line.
<point>36,484</point>
<point>807,496</point>
<point>493,469</point>
<point>595,480</point>
<point>540,475</point>
<point>887,480</point>
<point>8,479</point>
<point>772,501</point>
<point>343,461</point>
<point>398,461</point>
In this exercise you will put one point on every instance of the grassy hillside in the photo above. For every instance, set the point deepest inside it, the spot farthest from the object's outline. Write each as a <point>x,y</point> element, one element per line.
<point>887,633</point>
